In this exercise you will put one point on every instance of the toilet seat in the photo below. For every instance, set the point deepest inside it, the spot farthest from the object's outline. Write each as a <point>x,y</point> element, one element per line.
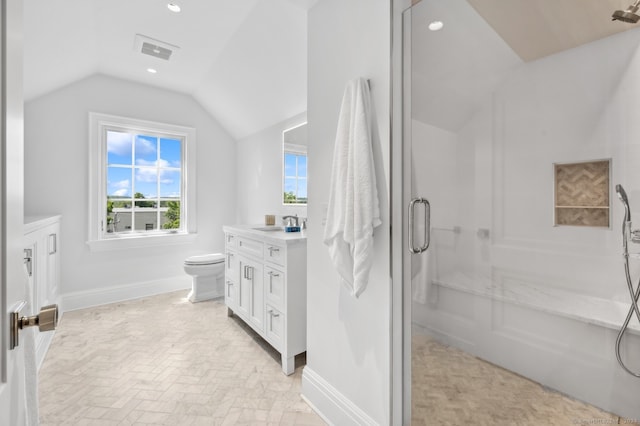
<point>205,259</point>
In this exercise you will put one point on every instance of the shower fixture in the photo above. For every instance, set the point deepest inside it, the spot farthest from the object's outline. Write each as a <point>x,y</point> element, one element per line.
<point>629,16</point>
<point>634,236</point>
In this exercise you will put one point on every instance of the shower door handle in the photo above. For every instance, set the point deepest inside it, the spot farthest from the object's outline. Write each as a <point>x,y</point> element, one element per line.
<point>427,224</point>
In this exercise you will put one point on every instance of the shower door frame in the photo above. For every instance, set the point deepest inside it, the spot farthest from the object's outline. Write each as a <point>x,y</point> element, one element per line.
<point>400,194</point>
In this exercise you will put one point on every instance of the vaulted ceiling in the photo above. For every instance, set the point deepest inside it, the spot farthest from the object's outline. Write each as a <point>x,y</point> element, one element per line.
<point>245,61</point>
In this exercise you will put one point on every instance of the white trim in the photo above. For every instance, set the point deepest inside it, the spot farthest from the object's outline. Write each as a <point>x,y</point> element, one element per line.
<point>102,296</point>
<point>293,149</point>
<point>97,176</point>
<point>400,410</point>
<point>43,347</point>
<point>329,403</point>
<point>128,241</point>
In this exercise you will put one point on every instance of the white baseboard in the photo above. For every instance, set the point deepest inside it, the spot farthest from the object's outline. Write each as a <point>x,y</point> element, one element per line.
<point>329,403</point>
<point>42,346</point>
<point>102,296</point>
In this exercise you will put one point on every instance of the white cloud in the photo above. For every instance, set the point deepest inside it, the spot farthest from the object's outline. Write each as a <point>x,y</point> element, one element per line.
<point>141,162</point>
<point>151,175</point>
<point>146,175</point>
<point>121,192</point>
<point>121,184</point>
<point>119,143</point>
<point>144,146</point>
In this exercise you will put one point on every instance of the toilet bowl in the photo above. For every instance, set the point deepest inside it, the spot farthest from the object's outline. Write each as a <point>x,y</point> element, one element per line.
<point>207,276</point>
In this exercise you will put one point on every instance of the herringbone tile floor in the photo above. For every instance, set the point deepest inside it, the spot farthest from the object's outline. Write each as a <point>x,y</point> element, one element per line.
<point>451,387</point>
<point>163,360</point>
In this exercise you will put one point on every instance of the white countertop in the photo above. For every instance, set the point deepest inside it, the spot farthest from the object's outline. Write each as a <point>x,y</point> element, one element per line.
<point>32,223</point>
<point>255,230</point>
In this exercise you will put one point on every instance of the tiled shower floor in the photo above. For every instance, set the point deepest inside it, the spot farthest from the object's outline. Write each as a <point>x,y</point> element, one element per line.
<point>451,387</point>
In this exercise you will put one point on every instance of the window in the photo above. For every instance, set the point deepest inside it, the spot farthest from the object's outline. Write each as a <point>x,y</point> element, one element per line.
<point>141,175</point>
<point>294,170</point>
<point>295,178</point>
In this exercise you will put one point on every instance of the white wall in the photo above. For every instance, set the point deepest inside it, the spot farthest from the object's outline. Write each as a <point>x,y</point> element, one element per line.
<point>259,174</point>
<point>570,107</point>
<point>56,176</point>
<point>347,377</point>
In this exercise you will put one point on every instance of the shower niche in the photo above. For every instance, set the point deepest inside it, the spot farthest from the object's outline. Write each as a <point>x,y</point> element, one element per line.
<point>581,193</point>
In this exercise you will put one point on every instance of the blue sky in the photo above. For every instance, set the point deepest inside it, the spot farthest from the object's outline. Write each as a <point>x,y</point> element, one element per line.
<point>148,172</point>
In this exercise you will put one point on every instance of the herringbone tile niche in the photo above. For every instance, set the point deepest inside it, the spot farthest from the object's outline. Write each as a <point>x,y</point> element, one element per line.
<point>582,193</point>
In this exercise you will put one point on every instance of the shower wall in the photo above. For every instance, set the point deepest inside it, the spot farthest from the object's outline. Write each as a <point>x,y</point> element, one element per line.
<point>500,280</point>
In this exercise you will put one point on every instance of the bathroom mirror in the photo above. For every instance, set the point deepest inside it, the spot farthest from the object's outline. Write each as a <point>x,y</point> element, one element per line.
<point>294,165</point>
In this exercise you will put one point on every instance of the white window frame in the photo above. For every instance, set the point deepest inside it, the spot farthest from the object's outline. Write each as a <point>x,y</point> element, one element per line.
<point>289,148</point>
<point>98,238</point>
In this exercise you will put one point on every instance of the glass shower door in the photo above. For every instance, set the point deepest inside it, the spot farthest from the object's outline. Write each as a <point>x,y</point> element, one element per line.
<point>511,229</point>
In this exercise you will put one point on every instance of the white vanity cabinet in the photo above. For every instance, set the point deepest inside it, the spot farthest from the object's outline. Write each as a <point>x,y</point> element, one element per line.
<point>266,286</point>
<point>251,297</point>
<point>42,266</point>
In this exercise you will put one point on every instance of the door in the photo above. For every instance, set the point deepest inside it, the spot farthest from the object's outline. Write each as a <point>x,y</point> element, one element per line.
<point>13,278</point>
<point>244,287</point>
<point>519,164</point>
<point>257,296</point>
<point>252,281</point>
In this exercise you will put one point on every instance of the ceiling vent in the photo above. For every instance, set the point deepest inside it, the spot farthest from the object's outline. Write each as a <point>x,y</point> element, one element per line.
<point>156,48</point>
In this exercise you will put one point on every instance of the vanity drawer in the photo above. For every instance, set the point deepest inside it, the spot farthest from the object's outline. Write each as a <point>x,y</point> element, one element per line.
<point>231,266</point>
<point>250,247</point>
<point>275,327</point>
<point>231,295</point>
<point>274,253</point>
<point>274,286</point>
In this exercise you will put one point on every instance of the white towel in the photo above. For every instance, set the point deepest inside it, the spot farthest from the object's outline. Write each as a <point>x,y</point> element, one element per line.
<point>353,210</point>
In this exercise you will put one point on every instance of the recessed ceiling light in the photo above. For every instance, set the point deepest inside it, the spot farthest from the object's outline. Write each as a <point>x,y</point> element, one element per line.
<point>152,70</point>
<point>173,7</point>
<point>436,25</point>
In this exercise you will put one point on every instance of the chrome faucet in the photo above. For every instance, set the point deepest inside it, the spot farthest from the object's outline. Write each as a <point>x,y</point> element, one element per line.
<point>289,220</point>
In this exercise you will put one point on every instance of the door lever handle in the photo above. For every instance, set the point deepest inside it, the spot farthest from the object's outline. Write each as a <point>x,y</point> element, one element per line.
<point>46,320</point>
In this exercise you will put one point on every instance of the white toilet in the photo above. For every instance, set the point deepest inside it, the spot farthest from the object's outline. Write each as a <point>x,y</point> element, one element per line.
<point>207,276</point>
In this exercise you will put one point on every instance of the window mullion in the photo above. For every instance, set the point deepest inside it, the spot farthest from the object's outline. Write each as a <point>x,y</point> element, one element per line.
<point>158,227</point>
<point>297,175</point>
<point>133,182</point>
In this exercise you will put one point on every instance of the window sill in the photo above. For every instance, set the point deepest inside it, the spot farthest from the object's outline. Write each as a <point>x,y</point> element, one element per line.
<point>140,241</point>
